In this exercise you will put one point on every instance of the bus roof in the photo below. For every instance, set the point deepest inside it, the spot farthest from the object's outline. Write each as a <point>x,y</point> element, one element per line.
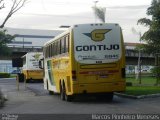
<point>58,36</point>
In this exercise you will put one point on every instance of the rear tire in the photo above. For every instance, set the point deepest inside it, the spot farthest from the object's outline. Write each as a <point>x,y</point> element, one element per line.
<point>20,77</point>
<point>64,96</point>
<point>28,80</point>
<point>68,98</point>
<point>50,92</point>
<point>62,92</point>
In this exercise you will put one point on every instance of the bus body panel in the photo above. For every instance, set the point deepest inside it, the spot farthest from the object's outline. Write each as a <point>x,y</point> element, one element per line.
<point>58,69</point>
<point>99,88</point>
<point>33,74</point>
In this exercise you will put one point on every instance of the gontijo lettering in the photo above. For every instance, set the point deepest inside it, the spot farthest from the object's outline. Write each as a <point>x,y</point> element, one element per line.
<point>97,47</point>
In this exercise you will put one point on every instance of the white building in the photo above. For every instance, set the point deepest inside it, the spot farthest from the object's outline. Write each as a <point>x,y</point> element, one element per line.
<point>27,37</point>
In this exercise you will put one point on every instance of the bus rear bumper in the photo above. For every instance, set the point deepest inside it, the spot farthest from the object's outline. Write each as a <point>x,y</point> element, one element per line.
<point>99,88</point>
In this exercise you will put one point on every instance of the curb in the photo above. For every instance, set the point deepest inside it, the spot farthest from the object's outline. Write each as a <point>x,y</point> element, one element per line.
<point>138,97</point>
<point>6,78</point>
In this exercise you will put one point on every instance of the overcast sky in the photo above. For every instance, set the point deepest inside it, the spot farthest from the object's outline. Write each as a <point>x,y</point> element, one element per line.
<point>50,14</point>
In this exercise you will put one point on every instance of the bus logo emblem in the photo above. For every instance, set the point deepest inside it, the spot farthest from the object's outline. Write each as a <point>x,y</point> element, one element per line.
<point>36,56</point>
<point>97,34</point>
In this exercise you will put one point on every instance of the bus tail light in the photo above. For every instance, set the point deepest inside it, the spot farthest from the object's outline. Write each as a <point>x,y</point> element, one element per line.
<point>74,77</point>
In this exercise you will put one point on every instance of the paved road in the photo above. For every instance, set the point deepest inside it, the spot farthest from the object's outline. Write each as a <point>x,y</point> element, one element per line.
<point>35,100</point>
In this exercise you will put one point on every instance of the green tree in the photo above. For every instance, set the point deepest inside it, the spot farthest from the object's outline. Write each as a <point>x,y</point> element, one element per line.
<point>152,35</point>
<point>4,39</point>
<point>156,72</point>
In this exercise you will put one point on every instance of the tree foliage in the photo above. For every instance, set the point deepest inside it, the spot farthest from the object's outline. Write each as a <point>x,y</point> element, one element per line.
<point>156,72</point>
<point>152,36</point>
<point>4,39</point>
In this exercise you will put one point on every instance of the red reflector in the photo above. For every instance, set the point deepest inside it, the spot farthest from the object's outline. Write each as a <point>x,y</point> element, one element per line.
<point>74,78</point>
<point>74,75</point>
<point>73,72</point>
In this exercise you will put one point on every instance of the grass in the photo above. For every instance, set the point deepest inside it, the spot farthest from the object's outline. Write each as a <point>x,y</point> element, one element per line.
<point>146,87</point>
<point>13,75</point>
<point>144,80</point>
<point>142,90</point>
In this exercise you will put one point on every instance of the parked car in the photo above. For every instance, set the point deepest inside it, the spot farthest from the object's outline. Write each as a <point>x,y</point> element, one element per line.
<point>15,72</point>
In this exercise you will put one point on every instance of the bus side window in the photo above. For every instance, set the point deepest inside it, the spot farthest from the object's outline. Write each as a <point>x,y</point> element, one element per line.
<point>67,43</point>
<point>54,50</point>
<point>59,47</point>
<point>62,45</point>
<point>51,50</point>
<point>47,52</point>
<point>56,47</point>
<point>44,51</point>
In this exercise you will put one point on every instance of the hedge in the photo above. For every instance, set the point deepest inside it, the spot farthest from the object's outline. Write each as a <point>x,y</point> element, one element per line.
<point>4,75</point>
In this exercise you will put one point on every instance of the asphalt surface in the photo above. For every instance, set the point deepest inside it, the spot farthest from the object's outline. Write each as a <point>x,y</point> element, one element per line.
<point>35,100</point>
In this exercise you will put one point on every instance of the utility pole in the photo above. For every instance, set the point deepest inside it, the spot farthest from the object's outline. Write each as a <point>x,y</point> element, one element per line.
<point>23,42</point>
<point>139,60</point>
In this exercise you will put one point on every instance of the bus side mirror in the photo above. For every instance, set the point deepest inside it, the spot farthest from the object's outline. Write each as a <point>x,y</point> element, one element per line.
<point>41,63</point>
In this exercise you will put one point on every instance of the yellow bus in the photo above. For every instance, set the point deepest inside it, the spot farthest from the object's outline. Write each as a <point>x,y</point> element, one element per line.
<point>30,68</point>
<point>85,59</point>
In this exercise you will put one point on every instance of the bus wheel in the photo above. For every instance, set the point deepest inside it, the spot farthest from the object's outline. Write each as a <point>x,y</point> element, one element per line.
<point>62,92</point>
<point>28,80</point>
<point>68,98</point>
<point>20,77</point>
<point>50,92</point>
